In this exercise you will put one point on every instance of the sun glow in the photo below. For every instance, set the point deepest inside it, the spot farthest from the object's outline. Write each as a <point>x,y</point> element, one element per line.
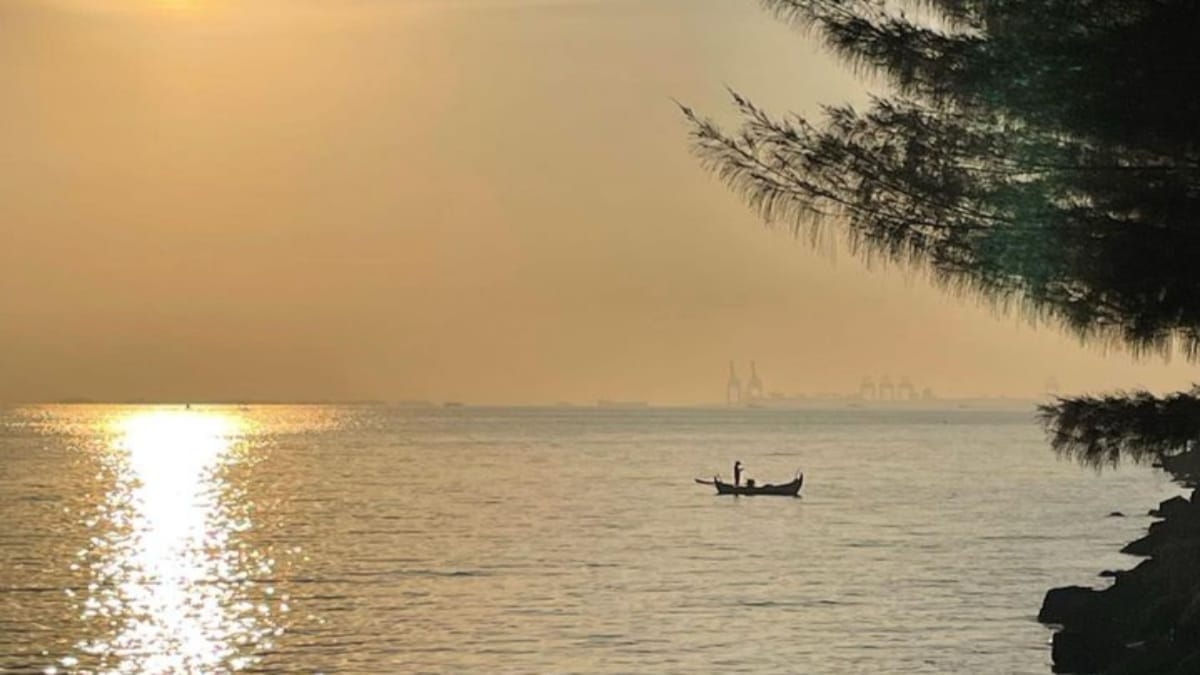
<point>172,586</point>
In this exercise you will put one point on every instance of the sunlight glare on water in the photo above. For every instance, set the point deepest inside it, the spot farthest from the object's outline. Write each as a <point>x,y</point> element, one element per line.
<point>168,574</point>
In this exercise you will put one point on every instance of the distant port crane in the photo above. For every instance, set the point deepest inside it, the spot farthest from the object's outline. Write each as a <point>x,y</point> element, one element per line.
<point>733,389</point>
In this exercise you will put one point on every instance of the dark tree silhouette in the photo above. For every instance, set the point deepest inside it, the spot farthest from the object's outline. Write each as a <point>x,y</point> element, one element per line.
<point>1045,156</point>
<point>1042,154</point>
<point>1139,426</point>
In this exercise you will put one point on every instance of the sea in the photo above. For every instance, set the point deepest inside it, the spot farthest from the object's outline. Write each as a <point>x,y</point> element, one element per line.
<point>377,539</point>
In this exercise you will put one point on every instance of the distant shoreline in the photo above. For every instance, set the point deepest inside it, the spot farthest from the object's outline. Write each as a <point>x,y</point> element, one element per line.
<point>766,405</point>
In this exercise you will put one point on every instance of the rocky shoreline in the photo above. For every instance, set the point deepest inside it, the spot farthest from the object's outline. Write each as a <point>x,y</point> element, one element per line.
<point>1148,621</point>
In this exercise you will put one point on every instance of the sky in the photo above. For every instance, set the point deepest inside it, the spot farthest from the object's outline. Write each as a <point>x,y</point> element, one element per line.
<point>490,201</point>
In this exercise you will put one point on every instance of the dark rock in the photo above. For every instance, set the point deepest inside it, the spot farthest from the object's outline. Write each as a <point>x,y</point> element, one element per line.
<point>1077,652</point>
<point>1189,621</point>
<point>1156,536</point>
<point>1183,525</point>
<point>1189,665</point>
<point>1147,545</point>
<point>1158,614</point>
<point>1116,514</point>
<point>1068,604</point>
<point>1172,508</point>
<point>1148,620</point>
<point>1155,656</point>
<point>1185,467</point>
<point>1132,586</point>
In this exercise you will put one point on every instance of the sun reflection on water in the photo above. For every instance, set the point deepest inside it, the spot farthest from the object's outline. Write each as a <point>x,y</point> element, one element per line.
<point>174,589</point>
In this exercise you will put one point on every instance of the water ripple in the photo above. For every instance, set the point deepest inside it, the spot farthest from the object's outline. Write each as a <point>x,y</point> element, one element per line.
<point>372,539</point>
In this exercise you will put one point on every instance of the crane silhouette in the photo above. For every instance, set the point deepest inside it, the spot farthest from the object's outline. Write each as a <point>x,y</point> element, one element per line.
<point>754,388</point>
<point>867,389</point>
<point>733,390</point>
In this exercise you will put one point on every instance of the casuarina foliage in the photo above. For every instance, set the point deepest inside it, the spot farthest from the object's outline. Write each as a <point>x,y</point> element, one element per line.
<point>1041,154</point>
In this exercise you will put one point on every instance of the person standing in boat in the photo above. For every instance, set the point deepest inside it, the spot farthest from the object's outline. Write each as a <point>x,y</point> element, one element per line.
<point>737,473</point>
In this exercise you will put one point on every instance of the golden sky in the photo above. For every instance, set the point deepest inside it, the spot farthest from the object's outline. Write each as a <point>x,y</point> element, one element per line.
<point>485,200</point>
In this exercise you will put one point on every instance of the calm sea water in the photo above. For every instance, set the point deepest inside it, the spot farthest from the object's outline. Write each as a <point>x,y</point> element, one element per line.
<point>370,539</point>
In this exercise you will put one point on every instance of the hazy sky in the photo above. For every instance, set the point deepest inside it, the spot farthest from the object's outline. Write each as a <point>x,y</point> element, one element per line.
<point>486,200</point>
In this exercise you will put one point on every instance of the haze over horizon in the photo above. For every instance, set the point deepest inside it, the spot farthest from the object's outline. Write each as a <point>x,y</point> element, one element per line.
<point>484,200</point>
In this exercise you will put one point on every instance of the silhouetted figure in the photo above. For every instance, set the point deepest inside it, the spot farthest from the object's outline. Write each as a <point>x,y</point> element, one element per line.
<point>737,473</point>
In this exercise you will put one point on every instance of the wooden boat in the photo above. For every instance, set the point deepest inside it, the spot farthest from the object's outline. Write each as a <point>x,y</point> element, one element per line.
<point>791,489</point>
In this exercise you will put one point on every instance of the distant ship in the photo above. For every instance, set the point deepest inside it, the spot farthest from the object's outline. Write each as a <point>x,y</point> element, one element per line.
<point>452,404</point>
